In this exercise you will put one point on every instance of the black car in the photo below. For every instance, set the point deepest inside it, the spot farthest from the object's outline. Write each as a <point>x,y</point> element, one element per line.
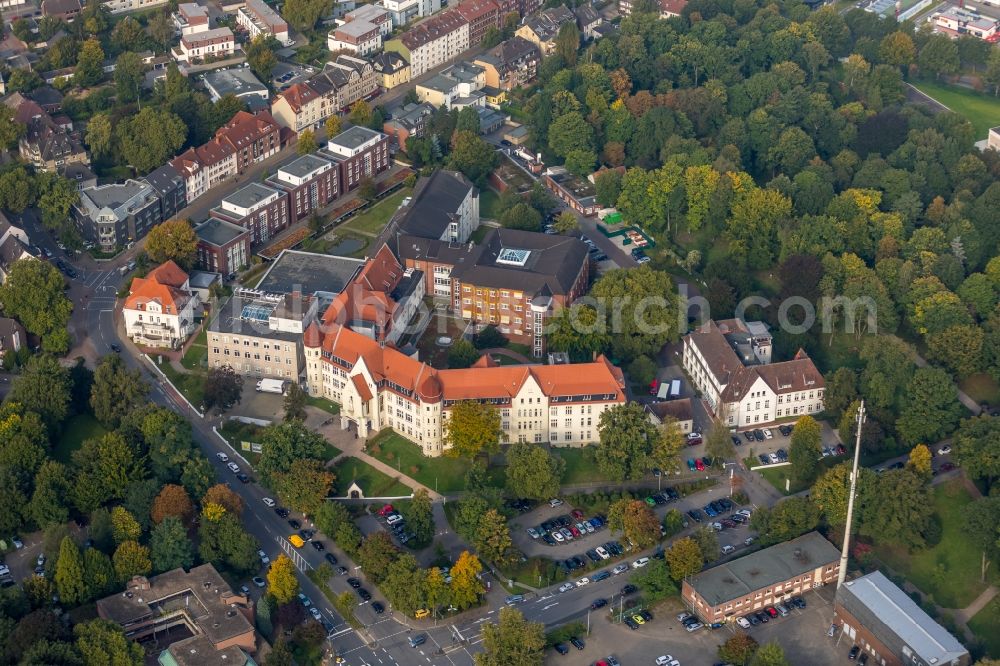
<point>547,525</point>
<point>116,348</point>
<point>281,511</point>
<point>330,558</point>
<point>695,515</point>
<point>629,589</point>
<point>764,617</point>
<point>560,648</point>
<point>646,615</point>
<point>354,582</point>
<point>616,548</point>
<point>752,619</point>
<point>782,455</point>
<point>672,493</point>
<point>378,608</point>
<point>853,654</point>
<point>592,554</point>
<point>598,603</point>
<point>736,440</point>
<point>318,545</point>
<point>864,659</point>
<point>547,538</point>
<point>785,430</point>
<point>578,562</point>
<point>294,524</point>
<point>243,478</point>
<point>659,499</point>
<point>726,504</point>
<point>577,643</point>
<point>364,594</point>
<point>341,571</point>
<point>632,624</point>
<point>764,459</point>
<point>799,602</point>
<point>748,435</point>
<point>304,535</point>
<point>759,434</point>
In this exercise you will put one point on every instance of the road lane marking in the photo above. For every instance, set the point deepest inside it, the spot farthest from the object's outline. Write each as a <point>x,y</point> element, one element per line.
<point>550,606</point>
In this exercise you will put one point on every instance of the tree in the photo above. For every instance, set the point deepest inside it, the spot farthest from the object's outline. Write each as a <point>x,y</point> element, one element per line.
<point>570,132</point>
<point>131,559</point>
<point>977,448</point>
<point>172,502</point>
<point>149,138</point>
<point>376,554</point>
<point>919,462</point>
<point>161,30</point>
<point>281,580</point>
<point>472,429</point>
<point>462,354</point>
<point>70,583</point>
<point>471,155</point>
<point>307,143</point>
<point>168,440</point>
<point>897,49</point>
<point>938,56</point>
<point>579,330</point>
<point>492,539</point>
<point>685,558</point>
<point>124,526</point>
<point>419,516</point>
<point>106,467</point>
<point>626,441</point>
<point>304,486</point>
<point>770,654</point>
<point>738,649</point>
<point>468,120</point>
<point>260,56</point>
<point>103,642</point>
<point>719,442</point>
<point>532,472</point>
<point>466,587</point>
<point>512,641</point>
<point>89,64</point>
<point>197,475</point>
<point>33,293</point>
<point>224,541</point>
<point>169,545</point>
<point>786,520</point>
<point>361,113</point>
<point>116,391</point>
<point>831,490</point>
<point>566,223</point>
<point>10,130</point>
<point>367,191</point>
<point>129,74</point>
<point>98,572</point>
<point>295,402</point>
<point>580,162</point>
<point>57,196</point>
<point>607,187</point>
<point>49,501</point>
<point>640,310</point>
<point>222,389</point>
<point>173,240</point>
<point>568,42</point>
<point>281,444</point>
<point>99,135</point>
<point>223,496</point>
<point>930,407</point>
<point>636,521</point>
<point>805,449</point>
<point>521,216</point>
<point>982,524</point>
<point>333,126</point>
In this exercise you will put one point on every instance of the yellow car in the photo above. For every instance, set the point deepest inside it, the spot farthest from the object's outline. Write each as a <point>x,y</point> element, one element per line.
<point>422,613</point>
<point>638,619</point>
<point>296,541</point>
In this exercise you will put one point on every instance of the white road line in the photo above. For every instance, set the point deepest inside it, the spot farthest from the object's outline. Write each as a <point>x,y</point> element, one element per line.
<point>550,606</point>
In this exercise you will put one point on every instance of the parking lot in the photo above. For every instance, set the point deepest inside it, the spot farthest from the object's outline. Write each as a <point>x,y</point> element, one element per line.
<point>803,635</point>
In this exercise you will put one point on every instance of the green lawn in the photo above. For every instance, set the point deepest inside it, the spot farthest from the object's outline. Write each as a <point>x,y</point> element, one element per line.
<point>445,475</point>
<point>580,465</point>
<point>373,220</point>
<point>984,625</point>
<point>191,384</point>
<point>197,353</point>
<point>983,111</point>
<point>373,482</point>
<point>323,403</point>
<point>488,202</point>
<point>949,571</point>
<point>981,388</point>
<point>78,429</point>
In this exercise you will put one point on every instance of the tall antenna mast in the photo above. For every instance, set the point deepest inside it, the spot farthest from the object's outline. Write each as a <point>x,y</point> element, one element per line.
<point>842,574</point>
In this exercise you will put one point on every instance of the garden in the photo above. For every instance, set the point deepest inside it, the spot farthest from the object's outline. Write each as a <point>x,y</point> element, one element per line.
<point>442,474</point>
<point>373,483</point>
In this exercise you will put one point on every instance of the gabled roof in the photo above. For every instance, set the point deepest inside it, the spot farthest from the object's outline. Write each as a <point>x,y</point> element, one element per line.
<point>299,95</point>
<point>162,285</point>
<point>435,203</point>
<point>168,273</point>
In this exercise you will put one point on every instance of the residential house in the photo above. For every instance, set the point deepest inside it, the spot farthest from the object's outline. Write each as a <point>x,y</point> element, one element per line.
<point>338,86</point>
<point>190,18</point>
<point>169,186</point>
<point>410,120</point>
<point>359,153</point>
<point>729,363</point>
<point>360,37</point>
<point>160,308</point>
<point>510,64</point>
<point>481,15</point>
<point>543,28</point>
<point>434,42</point>
<point>204,167</point>
<point>239,82</point>
<point>379,387</point>
<point>14,246</point>
<point>12,336</point>
<point>223,247</point>
<point>114,214</point>
<point>299,107</point>
<point>957,22</point>
<point>67,10</point>
<point>391,69</point>
<point>668,8</point>
<point>763,578</point>
<point>262,210</point>
<point>678,410</point>
<point>404,11</point>
<point>375,14</point>
<point>121,6</point>
<point>579,194</point>
<point>587,20</point>
<point>48,98</point>
<point>194,613</point>
<point>444,206</point>
<point>258,19</point>
<point>993,138</point>
<point>213,43</point>
<point>873,613</point>
<point>47,144</point>
<point>311,183</point>
<point>457,87</point>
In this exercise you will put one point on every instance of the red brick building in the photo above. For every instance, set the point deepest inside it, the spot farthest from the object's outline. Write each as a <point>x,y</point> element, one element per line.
<point>481,15</point>
<point>359,153</point>
<point>223,247</point>
<point>252,137</point>
<point>311,183</point>
<point>261,210</point>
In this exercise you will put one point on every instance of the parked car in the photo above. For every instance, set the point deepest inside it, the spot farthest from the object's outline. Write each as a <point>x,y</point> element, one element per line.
<point>944,450</point>
<point>767,433</point>
<point>629,589</point>
<point>598,603</point>
<point>699,465</point>
<point>694,438</point>
<point>758,435</point>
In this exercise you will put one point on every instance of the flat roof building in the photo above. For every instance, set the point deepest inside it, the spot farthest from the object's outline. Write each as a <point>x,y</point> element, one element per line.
<point>239,82</point>
<point>320,275</point>
<point>223,247</point>
<point>762,579</point>
<point>886,623</point>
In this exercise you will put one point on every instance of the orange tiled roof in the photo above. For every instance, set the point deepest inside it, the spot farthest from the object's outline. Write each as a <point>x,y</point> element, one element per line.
<point>298,95</point>
<point>162,286</point>
<point>169,273</point>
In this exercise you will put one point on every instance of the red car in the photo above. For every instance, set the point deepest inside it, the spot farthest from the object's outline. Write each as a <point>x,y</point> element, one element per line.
<point>577,514</point>
<point>772,611</point>
<point>576,532</point>
<point>386,510</point>
<point>654,387</point>
<point>698,464</point>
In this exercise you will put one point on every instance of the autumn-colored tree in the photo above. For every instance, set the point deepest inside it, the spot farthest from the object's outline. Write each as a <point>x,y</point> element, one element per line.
<point>131,559</point>
<point>636,521</point>
<point>465,584</point>
<point>281,579</point>
<point>685,558</point>
<point>436,591</point>
<point>361,113</point>
<point>173,500</point>
<point>124,526</point>
<point>472,429</point>
<point>173,240</point>
<point>307,143</point>
<point>222,495</point>
<point>333,126</point>
<point>738,649</point>
<point>920,461</point>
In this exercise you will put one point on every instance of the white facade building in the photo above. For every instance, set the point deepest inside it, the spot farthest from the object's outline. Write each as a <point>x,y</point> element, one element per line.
<point>160,308</point>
